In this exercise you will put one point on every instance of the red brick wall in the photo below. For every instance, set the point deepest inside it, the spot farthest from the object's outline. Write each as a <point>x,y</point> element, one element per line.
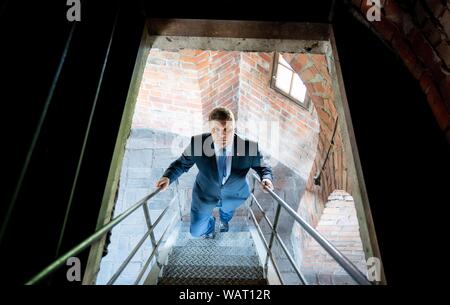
<point>339,224</point>
<point>179,89</point>
<point>219,80</point>
<point>419,31</point>
<point>262,108</point>
<point>169,95</point>
<point>313,70</point>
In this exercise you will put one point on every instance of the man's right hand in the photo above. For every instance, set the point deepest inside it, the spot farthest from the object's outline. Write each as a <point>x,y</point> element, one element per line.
<point>163,183</point>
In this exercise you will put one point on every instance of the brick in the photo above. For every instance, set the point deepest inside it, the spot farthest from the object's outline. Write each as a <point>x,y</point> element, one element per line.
<point>350,228</point>
<point>268,57</point>
<point>188,59</point>
<point>333,211</point>
<point>321,65</point>
<point>189,66</point>
<point>350,234</point>
<point>432,33</point>
<point>217,55</point>
<point>437,106</point>
<point>168,55</point>
<point>393,13</point>
<point>420,13</point>
<point>299,62</point>
<point>156,61</point>
<point>261,69</point>
<point>408,56</point>
<point>364,7</point>
<point>307,75</point>
<point>436,7</point>
<point>202,65</point>
<point>349,198</point>
<point>319,88</point>
<point>443,49</point>
<point>445,22</point>
<point>426,81</point>
<point>317,78</point>
<point>408,25</point>
<point>190,52</point>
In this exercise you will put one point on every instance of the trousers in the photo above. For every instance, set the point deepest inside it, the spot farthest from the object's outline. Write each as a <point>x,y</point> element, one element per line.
<point>202,219</point>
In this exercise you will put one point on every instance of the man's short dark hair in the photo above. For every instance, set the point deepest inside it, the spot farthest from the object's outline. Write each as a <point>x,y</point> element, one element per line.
<point>221,114</point>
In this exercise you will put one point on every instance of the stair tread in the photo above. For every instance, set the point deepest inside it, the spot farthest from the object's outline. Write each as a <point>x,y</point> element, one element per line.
<point>234,226</point>
<point>237,239</point>
<point>230,258</point>
<point>207,281</point>
<point>181,258</point>
<point>213,272</point>
<point>215,251</point>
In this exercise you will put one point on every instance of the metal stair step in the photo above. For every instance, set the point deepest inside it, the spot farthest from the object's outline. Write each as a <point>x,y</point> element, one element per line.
<point>236,239</point>
<point>207,281</point>
<point>180,257</point>
<point>233,227</point>
<point>215,251</point>
<point>239,214</point>
<point>237,224</point>
<point>213,272</point>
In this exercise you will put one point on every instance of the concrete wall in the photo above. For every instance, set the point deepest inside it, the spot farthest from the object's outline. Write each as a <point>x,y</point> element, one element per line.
<point>148,153</point>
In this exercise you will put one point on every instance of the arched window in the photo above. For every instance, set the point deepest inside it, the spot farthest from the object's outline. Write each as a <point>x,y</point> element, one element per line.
<point>287,82</point>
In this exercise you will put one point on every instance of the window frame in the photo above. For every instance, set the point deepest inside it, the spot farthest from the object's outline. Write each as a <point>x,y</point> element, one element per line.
<point>273,79</point>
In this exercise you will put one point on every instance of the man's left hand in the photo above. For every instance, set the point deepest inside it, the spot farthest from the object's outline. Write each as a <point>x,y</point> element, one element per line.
<point>267,184</point>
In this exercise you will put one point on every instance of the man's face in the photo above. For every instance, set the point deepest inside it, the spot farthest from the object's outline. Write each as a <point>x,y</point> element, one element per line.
<point>222,132</point>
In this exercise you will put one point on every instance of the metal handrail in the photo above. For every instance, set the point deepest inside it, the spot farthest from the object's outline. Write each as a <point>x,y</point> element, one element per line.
<point>269,252</point>
<point>342,260</point>
<point>136,248</point>
<point>280,241</point>
<point>154,251</point>
<point>99,234</point>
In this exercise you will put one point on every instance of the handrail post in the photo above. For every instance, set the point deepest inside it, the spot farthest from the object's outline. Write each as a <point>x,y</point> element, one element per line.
<point>261,235</point>
<point>272,235</point>
<point>177,184</point>
<point>251,201</point>
<point>282,245</point>
<point>148,220</point>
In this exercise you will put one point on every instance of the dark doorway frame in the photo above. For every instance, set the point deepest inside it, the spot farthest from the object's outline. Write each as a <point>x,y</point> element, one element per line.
<point>236,35</point>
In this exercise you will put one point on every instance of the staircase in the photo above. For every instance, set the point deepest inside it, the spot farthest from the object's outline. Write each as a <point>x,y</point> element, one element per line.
<point>229,259</point>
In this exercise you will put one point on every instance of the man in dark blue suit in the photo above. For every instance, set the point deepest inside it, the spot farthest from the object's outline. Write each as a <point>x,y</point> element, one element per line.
<point>223,160</point>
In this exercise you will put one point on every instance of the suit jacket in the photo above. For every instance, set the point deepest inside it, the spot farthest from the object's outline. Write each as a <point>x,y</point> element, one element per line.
<point>208,188</point>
